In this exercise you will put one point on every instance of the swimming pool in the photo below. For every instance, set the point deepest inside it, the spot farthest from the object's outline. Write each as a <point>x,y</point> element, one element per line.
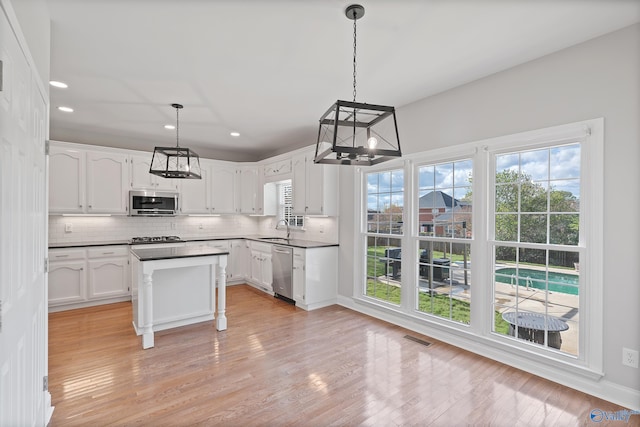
<point>558,282</point>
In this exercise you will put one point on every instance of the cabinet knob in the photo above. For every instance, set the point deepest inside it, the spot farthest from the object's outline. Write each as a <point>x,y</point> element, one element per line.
<point>80,205</point>
<point>90,206</point>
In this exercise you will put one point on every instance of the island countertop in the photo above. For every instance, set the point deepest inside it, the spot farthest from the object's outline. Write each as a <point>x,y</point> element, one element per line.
<point>152,254</point>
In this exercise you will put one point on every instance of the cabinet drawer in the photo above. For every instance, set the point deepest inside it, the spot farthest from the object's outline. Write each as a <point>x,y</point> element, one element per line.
<point>66,254</point>
<point>108,251</point>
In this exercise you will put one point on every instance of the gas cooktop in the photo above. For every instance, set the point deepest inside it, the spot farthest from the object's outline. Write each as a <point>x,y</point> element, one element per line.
<point>156,239</point>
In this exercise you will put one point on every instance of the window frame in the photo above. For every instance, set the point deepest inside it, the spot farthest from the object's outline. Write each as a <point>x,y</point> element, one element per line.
<point>591,134</point>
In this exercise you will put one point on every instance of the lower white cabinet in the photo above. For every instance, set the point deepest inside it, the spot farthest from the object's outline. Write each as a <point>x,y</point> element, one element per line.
<point>315,277</point>
<point>238,263</point>
<point>81,277</point>
<point>261,269</point>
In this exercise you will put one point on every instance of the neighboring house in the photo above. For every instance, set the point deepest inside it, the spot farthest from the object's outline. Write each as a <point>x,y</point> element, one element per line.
<point>441,214</point>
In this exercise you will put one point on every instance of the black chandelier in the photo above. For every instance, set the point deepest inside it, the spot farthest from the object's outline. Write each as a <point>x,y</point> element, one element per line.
<point>353,133</point>
<point>175,162</point>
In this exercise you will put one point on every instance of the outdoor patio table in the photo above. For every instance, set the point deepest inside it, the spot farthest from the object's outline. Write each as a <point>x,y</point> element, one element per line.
<point>531,327</point>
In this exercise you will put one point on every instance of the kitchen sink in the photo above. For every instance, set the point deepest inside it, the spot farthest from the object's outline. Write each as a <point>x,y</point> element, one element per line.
<point>275,239</point>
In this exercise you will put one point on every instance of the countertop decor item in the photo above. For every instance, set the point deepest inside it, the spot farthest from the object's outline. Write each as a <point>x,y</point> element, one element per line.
<point>353,133</point>
<point>175,162</point>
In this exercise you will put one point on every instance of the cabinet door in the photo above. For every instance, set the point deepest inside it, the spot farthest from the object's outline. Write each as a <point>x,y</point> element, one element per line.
<point>67,282</point>
<point>256,267</point>
<point>107,183</point>
<point>108,278</point>
<point>195,194</point>
<point>267,271</point>
<point>141,179</point>
<point>238,259</point>
<point>66,181</point>
<point>223,181</point>
<point>248,190</point>
<point>314,188</point>
<point>298,185</point>
<point>298,276</point>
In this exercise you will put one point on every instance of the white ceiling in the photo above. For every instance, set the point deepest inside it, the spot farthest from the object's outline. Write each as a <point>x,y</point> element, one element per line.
<point>269,69</point>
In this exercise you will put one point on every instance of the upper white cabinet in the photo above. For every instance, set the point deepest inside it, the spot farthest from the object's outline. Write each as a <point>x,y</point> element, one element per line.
<point>277,170</point>
<point>141,179</point>
<point>66,180</point>
<point>195,194</point>
<point>315,187</point>
<point>107,181</point>
<point>213,194</point>
<point>82,181</point>
<point>250,192</point>
<point>223,189</point>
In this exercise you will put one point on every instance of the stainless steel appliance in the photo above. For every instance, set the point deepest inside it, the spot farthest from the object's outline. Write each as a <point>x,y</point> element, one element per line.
<point>282,262</point>
<point>153,203</point>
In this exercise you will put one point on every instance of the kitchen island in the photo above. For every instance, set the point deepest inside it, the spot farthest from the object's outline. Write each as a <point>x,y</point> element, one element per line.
<point>176,286</point>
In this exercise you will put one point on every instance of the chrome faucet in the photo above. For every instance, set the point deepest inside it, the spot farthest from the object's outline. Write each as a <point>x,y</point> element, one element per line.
<point>285,223</point>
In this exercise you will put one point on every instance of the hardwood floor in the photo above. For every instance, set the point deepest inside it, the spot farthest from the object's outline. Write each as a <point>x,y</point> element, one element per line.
<point>279,365</point>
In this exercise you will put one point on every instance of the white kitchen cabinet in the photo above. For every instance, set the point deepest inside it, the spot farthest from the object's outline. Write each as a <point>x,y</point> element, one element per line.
<point>108,272</point>
<point>261,268</point>
<point>315,277</point>
<point>277,170</point>
<point>84,181</point>
<point>195,194</point>
<point>141,179</point>
<point>223,185</point>
<point>238,263</point>
<point>107,182</point>
<point>66,180</point>
<point>67,276</point>
<point>82,277</point>
<point>250,193</point>
<point>315,187</point>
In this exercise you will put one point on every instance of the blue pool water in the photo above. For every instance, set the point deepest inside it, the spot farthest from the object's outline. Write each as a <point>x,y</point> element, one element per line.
<point>558,282</point>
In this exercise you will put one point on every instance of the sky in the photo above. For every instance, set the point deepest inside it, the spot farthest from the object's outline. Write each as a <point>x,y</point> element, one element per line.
<point>557,166</point>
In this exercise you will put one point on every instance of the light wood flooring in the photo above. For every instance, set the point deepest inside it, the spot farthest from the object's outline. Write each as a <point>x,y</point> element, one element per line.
<point>277,365</point>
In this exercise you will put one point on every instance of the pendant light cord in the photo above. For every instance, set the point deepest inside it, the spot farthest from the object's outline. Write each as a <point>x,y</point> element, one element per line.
<point>353,140</point>
<point>177,127</point>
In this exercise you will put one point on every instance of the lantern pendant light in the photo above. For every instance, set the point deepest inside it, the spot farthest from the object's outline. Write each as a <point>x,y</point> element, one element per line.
<point>176,162</point>
<point>353,133</point>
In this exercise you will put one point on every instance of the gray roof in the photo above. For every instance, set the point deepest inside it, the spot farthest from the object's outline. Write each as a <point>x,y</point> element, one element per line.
<point>438,199</point>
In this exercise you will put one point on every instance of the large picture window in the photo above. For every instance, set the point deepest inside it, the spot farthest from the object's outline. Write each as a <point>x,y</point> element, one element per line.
<point>384,226</point>
<point>536,217</point>
<point>499,239</point>
<point>444,224</point>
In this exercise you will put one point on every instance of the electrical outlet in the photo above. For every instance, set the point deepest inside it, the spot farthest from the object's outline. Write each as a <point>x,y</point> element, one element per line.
<point>630,357</point>
<point>68,228</point>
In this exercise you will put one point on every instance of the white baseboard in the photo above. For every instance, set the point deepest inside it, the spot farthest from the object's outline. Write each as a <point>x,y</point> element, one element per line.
<point>579,379</point>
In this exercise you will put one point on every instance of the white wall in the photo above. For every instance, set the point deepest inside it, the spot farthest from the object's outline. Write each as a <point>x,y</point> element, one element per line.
<point>36,27</point>
<point>598,78</point>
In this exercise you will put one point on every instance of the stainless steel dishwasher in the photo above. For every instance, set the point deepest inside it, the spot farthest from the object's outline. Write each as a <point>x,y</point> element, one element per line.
<point>282,262</point>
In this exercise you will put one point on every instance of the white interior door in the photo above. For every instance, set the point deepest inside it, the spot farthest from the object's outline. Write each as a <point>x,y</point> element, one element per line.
<point>23,239</point>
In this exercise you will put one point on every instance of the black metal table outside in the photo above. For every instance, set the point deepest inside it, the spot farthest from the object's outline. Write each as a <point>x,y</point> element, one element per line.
<point>531,327</point>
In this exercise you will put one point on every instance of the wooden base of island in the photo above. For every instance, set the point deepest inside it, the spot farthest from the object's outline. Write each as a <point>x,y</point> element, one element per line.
<point>176,291</point>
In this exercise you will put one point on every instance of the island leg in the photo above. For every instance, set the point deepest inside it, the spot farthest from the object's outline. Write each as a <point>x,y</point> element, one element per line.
<point>221,321</point>
<point>147,330</point>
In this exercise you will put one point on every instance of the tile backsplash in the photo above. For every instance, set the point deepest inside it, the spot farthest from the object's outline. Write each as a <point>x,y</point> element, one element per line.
<point>80,229</point>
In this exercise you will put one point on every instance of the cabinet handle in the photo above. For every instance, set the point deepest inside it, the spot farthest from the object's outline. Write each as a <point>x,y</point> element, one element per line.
<point>61,256</point>
<point>107,253</point>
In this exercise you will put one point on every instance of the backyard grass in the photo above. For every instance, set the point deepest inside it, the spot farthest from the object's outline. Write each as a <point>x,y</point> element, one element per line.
<point>437,304</point>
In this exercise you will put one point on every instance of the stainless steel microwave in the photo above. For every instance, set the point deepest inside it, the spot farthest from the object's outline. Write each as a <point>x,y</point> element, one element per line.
<point>153,203</point>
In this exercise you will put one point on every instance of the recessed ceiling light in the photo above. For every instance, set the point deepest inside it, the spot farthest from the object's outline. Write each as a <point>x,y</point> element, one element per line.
<point>235,134</point>
<point>169,127</point>
<point>66,109</point>
<point>60,85</point>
